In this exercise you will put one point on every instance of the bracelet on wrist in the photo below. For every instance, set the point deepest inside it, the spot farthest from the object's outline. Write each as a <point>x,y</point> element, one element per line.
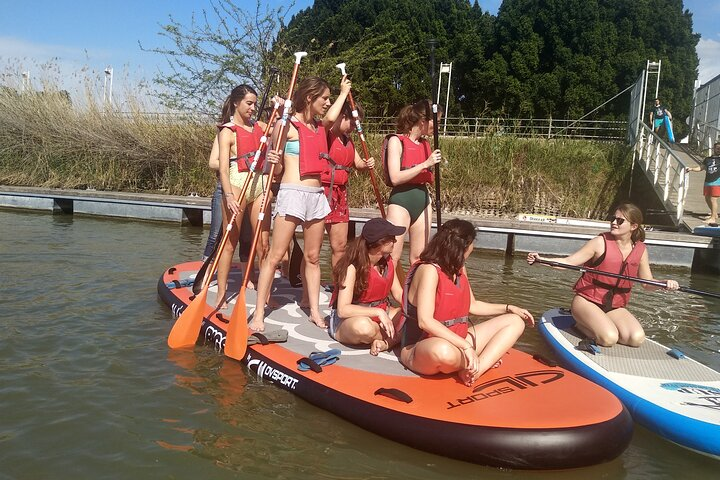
<point>229,194</point>
<point>507,308</point>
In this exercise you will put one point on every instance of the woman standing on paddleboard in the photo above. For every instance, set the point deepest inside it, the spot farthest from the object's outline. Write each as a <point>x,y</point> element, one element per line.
<point>438,337</point>
<point>301,199</point>
<point>238,140</point>
<point>407,159</point>
<point>342,159</point>
<point>364,279</point>
<point>600,301</point>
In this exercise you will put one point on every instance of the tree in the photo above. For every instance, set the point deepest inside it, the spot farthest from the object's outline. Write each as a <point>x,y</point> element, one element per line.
<point>221,48</point>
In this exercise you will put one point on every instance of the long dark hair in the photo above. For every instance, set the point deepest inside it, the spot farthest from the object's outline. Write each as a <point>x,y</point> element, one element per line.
<point>633,215</point>
<point>236,95</point>
<point>447,247</point>
<point>356,254</point>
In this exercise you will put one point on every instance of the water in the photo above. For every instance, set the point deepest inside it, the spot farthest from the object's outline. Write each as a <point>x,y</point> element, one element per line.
<point>89,389</point>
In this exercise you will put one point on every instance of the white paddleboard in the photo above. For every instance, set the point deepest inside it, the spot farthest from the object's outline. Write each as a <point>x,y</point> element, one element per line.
<point>678,398</point>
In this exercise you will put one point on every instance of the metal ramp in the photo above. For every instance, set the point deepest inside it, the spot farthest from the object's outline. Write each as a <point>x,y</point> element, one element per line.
<point>664,164</point>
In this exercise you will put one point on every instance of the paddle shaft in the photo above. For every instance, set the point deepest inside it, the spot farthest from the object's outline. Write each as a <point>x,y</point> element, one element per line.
<point>436,143</point>
<point>236,337</point>
<point>624,277</point>
<point>261,149</point>
<point>361,134</point>
<point>273,72</point>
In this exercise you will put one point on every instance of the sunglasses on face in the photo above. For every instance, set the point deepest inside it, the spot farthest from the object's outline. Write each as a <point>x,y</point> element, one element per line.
<point>618,220</point>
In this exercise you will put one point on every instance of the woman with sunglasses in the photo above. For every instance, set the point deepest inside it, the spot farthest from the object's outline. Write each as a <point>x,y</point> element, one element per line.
<point>599,303</point>
<point>364,279</point>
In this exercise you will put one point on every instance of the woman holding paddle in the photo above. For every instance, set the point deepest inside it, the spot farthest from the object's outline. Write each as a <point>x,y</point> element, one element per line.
<point>600,300</point>
<point>407,159</point>
<point>364,278</point>
<point>342,159</point>
<point>238,140</point>
<point>301,199</point>
<point>438,336</point>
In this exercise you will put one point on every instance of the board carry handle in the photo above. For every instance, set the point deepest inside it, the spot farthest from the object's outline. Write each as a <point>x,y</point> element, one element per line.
<point>395,394</point>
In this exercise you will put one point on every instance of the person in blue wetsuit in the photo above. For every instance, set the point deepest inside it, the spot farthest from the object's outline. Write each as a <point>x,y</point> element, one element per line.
<point>657,118</point>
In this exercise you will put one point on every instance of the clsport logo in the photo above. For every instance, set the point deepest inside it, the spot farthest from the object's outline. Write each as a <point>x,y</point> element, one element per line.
<point>509,384</point>
<point>709,397</point>
<point>265,371</point>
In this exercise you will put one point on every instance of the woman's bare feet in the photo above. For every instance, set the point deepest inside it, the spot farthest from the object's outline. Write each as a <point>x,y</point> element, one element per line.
<point>257,324</point>
<point>378,346</point>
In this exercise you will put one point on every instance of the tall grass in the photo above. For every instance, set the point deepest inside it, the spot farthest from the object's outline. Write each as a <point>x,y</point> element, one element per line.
<point>45,141</point>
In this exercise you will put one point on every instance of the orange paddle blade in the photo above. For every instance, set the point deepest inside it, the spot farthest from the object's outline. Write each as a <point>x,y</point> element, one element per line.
<point>237,332</point>
<point>187,327</point>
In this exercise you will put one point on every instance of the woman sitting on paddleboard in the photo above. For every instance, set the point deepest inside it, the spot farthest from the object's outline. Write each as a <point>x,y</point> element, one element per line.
<point>599,302</point>
<point>364,279</point>
<point>238,140</point>
<point>438,336</point>
<point>335,177</point>
<point>301,199</point>
<point>407,159</point>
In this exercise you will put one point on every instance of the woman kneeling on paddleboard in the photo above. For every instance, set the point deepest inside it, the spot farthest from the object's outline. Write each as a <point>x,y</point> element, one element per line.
<point>364,278</point>
<point>437,301</point>
<point>599,302</point>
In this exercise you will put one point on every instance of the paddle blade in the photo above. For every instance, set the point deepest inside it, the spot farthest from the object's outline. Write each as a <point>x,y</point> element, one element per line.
<point>296,258</point>
<point>185,332</point>
<point>237,332</point>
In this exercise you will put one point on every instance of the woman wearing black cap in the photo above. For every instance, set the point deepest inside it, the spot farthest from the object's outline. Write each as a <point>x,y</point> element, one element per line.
<point>364,279</point>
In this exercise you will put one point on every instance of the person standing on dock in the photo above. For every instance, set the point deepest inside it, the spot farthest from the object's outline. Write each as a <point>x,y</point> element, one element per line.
<point>659,116</point>
<point>711,189</point>
<point>600,301</point>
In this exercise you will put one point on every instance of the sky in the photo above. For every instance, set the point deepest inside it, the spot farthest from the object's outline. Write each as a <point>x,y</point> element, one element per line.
<point>73,41</point>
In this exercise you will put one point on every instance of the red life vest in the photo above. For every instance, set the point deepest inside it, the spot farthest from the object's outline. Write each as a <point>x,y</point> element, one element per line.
<point>609,291</point>
<point>378,288</point>
<point>412,154</point>
<point>313,148</point>
<point>452,305</point>
<point>339,163</point>
<point>246,144</point>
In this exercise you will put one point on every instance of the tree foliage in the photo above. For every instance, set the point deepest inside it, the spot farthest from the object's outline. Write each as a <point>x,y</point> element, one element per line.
<point>221,47</point>
<point>555,58</point>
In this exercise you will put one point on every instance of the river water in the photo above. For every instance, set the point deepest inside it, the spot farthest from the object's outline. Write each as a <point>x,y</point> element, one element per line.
<point>89,388</point>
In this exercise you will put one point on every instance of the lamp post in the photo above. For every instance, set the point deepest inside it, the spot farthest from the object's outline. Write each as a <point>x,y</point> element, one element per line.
<point>107,92</point>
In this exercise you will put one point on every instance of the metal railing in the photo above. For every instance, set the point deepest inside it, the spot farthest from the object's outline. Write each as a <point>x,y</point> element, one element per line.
<point>518,127</point>
<point>706,135</point>
<point>664,169</point>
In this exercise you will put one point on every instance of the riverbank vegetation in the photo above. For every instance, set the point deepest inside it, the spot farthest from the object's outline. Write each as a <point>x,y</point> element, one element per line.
<point>45,141</point>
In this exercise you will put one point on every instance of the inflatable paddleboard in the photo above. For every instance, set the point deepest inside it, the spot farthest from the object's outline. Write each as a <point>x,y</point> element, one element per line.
<point>668,129</point>
<point>666,391</point>
<point>528,413</point>
<point>707,231</point>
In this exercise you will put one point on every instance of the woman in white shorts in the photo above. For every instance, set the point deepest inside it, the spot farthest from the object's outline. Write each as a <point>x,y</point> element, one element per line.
<point>238,140</point>
<point>301,199</point>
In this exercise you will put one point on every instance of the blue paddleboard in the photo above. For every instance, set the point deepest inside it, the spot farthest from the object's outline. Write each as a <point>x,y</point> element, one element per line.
<point>664,390</point>
<point>707,231</point>
<point>669,130</point>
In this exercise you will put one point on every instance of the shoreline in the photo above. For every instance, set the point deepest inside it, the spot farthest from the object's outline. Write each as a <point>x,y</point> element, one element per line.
<point>554,236</point>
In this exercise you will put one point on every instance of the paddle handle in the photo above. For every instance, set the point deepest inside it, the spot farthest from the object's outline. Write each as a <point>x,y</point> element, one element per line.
<point>656,283</point>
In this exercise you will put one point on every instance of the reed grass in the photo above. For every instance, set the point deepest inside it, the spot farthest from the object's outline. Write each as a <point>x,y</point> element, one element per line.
<point>46,141</point>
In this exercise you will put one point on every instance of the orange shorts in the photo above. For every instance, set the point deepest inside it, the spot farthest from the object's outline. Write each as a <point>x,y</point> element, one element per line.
<point>711,190</point>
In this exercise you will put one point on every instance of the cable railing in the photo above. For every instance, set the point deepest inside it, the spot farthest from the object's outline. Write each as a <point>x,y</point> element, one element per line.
<point>664,169</point>
<point>518,127</point>
<point>610,130</point>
